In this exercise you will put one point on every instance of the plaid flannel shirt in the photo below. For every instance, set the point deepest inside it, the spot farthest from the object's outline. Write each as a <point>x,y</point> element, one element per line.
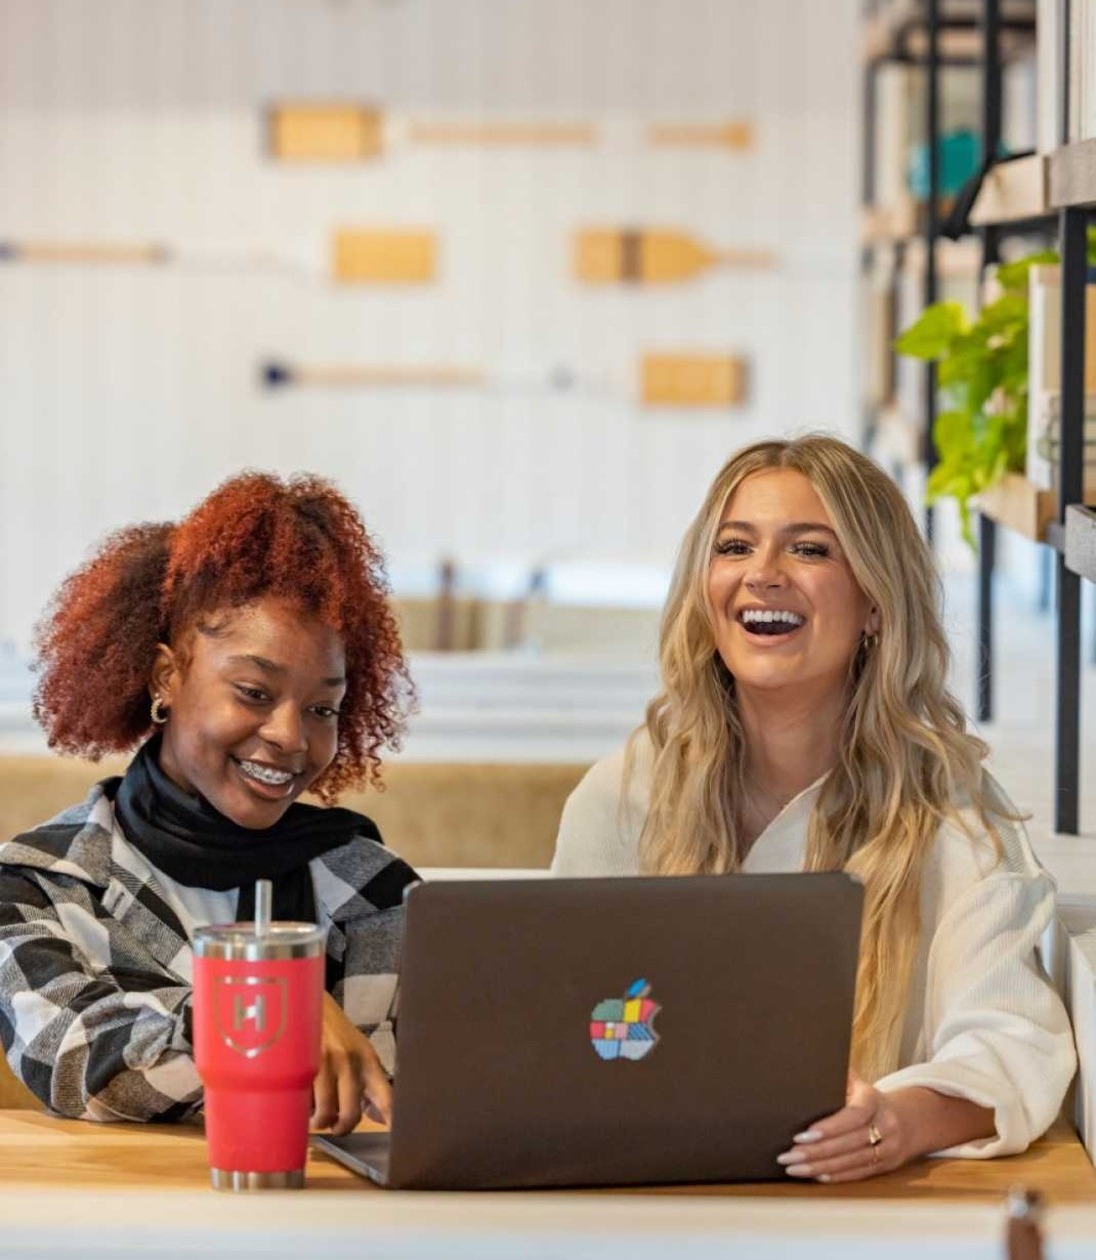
<point>95,963</point>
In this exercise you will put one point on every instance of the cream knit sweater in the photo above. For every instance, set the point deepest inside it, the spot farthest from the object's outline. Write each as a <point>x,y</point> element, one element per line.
<point>982,1020</point>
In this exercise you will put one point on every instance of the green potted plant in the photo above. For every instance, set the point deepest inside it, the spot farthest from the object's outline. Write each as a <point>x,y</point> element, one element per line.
<point>982,374</point>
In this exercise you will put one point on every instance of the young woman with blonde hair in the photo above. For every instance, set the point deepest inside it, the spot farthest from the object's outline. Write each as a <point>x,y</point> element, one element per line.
<point>804,724</point>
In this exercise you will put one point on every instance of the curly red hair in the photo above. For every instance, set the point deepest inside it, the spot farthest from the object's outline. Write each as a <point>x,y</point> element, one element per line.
<point>254,536</point>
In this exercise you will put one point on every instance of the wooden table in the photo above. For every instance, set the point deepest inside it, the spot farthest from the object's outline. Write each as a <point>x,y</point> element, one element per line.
<point>129,1190</point>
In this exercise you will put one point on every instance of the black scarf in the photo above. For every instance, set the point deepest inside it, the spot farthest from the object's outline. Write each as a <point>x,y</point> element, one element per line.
<point>187,839</point>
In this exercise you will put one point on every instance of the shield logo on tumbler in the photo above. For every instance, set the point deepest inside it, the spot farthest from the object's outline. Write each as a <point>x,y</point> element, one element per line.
<point>623,1028</point>
<point>250,1013</point>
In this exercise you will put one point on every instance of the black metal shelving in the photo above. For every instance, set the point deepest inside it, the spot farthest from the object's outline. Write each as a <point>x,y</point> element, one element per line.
<point>924,20</point>
<point>1070,205</point>
<point>1071,201</point>
<point>921,36</point>
<point>992,235</point>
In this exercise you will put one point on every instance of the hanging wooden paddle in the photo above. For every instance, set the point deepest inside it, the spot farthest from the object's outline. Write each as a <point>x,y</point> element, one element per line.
<point>502,132</point>
<point>703,380</point>
<point>736,134</point>
<point>318,132</point>
<point>654,256</point>
<point>346,132</point>
<point>375,375</point>
<point>692,380</point>
<point>110,252</point>
<point>369,256</point>
<point>357,256</point>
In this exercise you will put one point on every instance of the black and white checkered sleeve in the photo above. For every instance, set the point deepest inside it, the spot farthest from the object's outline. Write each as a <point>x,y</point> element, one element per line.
<point>91,1043</point>
<point>365,883</point>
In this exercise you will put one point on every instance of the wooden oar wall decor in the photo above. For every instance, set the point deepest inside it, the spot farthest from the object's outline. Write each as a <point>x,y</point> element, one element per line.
<point>502,132</point>
<point>738,134</point>
<point>324,133</point>
<point>348,131</point>
<point>654,256</point>
<point>677,379</point>
<point>114,253</point>
<point>368,256</point>
<point>410,256</point>
<point>358,256</point>
<point>690,379</point>
<point>374,375</point>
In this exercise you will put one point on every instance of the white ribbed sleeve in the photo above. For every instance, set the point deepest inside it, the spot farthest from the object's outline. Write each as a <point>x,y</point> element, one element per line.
<point>993,1029</point>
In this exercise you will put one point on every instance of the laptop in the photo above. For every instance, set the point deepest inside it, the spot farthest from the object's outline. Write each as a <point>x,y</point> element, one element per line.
<point>617,1031</point>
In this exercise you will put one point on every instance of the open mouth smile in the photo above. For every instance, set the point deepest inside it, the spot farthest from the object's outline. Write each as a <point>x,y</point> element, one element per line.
<point>274,781</point>
<point>770,622</point>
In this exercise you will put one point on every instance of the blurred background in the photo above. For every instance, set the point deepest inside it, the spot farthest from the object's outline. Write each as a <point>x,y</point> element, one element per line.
<point>518,274</point>
<point>400,243</point>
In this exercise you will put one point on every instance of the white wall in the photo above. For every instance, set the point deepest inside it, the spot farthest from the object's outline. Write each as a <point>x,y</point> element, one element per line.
<point>126,393</point>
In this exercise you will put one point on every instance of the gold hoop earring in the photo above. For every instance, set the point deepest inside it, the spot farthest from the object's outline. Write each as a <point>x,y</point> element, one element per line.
<point>869,642</point>
<point>159,711</point>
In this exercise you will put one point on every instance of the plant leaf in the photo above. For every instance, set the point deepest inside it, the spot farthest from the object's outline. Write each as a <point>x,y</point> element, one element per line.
<point>952,434</point>
<point>981,431</point>
<point>960,364</point>
<point>932,334</point>
<point>983,382</point>
<point>1007,313</point>
<point>1013,276</point>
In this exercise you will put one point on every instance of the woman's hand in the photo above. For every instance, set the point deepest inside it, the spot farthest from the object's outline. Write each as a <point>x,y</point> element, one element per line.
<point>350,1072</point>
<point>867,1136</point>
<point>876,1132</point>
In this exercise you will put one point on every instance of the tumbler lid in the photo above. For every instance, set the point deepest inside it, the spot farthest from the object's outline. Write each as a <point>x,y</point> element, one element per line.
<point>240,942</point>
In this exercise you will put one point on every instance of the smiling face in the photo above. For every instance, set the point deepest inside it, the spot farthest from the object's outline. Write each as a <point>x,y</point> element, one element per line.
<point>253,702</point>
<point>787,611</point>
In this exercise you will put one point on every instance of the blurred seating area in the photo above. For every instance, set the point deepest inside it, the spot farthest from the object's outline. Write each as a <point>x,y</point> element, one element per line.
<point>432,814</point>
<point>584,609</point>
<point>470,707</point>
<point>552,664</point>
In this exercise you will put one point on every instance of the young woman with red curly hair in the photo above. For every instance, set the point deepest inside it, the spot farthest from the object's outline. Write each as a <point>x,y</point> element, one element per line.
<point>250,653</point>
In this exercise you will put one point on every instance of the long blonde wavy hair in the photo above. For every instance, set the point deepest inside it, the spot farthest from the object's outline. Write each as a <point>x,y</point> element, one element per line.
<point>904,758</point>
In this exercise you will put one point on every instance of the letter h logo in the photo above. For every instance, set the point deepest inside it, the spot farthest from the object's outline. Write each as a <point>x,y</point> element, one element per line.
<point>241,1013</point>
<point>251,1012</point>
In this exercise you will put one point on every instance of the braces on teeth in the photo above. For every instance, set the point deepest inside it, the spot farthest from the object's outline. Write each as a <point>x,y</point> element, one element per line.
<point>277,777</point>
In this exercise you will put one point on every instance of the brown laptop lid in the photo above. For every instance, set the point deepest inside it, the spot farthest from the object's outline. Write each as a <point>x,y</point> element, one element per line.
<point>514,1069</point>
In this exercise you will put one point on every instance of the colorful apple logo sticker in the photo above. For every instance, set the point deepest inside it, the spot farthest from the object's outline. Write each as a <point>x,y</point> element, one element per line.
<point>622,1028</point>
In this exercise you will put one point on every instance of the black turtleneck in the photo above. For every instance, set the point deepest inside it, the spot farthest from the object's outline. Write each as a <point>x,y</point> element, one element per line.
<point>187,839</point>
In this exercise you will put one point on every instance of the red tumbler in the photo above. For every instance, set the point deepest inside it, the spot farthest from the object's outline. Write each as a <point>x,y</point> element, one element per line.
<point>257,1017</point>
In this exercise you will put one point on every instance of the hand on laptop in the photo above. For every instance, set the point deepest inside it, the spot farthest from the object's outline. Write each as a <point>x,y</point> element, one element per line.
<point>350,1078</point>
<point>876,1132</point>
<point>862,1139</point>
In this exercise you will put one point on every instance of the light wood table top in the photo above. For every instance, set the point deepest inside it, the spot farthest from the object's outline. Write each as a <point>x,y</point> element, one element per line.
<point>119,1190</point>
<point>41,1151</point>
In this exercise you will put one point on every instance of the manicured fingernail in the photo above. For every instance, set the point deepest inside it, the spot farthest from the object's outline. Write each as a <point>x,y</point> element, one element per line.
<point>823,1176</point>
<point>808,1135</point>
<point>792,1157</point>
<point>799,1170</point>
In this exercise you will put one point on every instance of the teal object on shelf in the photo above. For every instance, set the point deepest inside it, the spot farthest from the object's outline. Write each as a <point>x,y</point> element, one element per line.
<point>959,156</point>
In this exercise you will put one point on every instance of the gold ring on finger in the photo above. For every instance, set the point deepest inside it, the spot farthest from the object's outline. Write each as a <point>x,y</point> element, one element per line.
<point>874,1138</point>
